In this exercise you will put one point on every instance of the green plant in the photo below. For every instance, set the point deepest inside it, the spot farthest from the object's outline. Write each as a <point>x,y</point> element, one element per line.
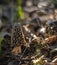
<point>20,10</point>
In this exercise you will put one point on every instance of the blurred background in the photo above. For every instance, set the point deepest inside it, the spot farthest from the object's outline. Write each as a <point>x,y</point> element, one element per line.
<point>38,19</point>
<point>13,11</point>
